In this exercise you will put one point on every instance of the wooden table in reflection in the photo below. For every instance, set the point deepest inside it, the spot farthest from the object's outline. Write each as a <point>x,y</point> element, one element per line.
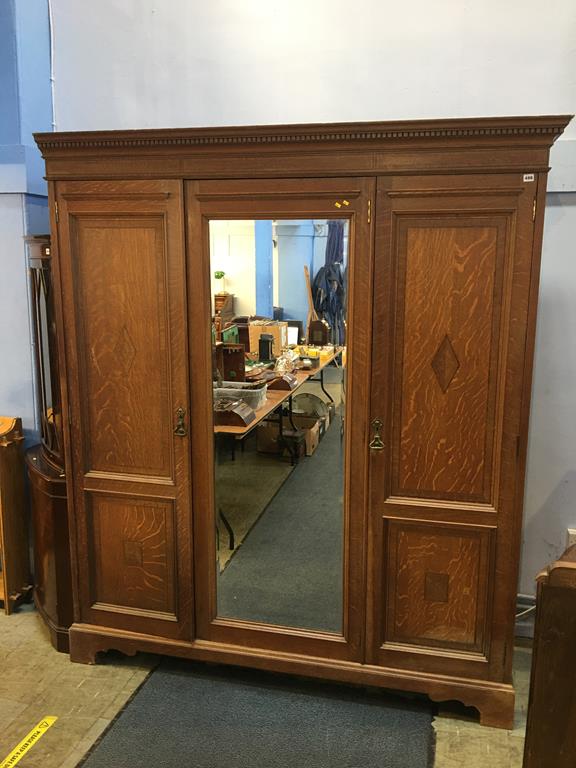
<point>275,400</point>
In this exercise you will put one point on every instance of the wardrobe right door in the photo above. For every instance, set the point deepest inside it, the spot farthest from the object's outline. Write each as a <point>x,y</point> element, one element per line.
<point>453,276</point>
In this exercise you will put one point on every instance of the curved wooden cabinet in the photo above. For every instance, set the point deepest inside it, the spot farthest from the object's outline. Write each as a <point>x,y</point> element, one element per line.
<point>446,221</point>
<point>45,462</point>
<point>52,573</point>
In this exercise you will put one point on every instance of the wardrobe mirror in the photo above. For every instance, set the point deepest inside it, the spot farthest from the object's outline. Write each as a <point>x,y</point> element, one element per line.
<point>279,384</point>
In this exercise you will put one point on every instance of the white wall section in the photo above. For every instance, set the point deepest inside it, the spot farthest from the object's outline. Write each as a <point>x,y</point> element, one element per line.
<point>233,251</point>
<point>138,63</point>
<point>550,502</point>
<point>16,387</point>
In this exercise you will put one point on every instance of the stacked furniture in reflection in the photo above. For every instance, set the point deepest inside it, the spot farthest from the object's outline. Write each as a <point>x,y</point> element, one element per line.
<point>223,309</point>
<point>45,462</point>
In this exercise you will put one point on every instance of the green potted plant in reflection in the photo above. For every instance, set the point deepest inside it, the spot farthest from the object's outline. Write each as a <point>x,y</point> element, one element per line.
<point>219,275</point>
<point>221,298</point>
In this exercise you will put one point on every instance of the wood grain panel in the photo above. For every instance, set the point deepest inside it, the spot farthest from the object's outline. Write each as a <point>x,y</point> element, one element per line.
<point>437,585</point>
<point>121,267</point>
<point>122,307</point>
<point>474,236</point>
<point>132,553</point>
<point>446,370</point>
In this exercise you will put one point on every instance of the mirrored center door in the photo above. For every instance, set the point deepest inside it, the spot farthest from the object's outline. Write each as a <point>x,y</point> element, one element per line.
<point>280,286</point>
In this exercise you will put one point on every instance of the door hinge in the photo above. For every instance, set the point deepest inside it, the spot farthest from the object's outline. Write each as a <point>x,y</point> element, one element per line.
<point>534,210</point>
<point>57,215</point>
<point>369,211</point>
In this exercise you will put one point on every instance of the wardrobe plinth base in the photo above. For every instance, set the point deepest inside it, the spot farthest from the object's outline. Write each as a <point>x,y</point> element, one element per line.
<point>495,704</point>
<point>494,701</point>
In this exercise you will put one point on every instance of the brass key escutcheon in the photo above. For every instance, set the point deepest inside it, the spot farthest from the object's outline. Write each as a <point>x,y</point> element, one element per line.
<point>376,443</point>
<point>180,429</point>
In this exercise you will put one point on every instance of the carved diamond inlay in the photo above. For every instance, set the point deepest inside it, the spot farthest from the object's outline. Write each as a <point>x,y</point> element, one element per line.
<point>445,363</point>
<point>124,351</point>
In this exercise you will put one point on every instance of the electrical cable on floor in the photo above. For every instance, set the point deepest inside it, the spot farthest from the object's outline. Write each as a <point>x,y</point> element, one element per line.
<point>526,612</point>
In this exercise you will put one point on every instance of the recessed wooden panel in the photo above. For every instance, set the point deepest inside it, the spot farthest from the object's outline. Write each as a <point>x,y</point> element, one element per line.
<point>448,316</point>
<point>437,582</point>
<point>132,554</point>
<point>124,346</point>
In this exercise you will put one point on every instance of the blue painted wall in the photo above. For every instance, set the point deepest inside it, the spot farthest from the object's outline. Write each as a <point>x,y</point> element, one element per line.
<point>25,94</point>
<point>33,45</point>
<point>9,109</point>
<point>34,93</point>
<point>25,107</point>
<point>264,290</point>
<point>299,245</point>
<point>295,250</point>
<point>36,217</point>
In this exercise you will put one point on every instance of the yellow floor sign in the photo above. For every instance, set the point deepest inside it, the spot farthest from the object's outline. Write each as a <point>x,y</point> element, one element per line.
<point>28,742</point>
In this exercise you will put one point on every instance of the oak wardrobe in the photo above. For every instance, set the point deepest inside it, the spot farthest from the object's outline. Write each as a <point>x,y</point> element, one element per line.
<point>444,229</point>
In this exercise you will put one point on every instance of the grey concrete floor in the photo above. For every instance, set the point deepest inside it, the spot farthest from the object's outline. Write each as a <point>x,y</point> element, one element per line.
<point>36,681</point>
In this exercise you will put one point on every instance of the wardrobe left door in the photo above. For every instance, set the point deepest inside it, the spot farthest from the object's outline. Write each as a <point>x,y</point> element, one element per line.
<point>122,280</point>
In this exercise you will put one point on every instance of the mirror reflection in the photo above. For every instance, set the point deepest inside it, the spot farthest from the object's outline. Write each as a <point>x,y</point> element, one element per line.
<point>279,363</point>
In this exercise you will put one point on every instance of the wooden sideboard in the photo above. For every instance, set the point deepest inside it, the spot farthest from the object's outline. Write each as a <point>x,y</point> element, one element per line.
<point>446,221</point>
<point>15,584</point>
<point>551,723</point>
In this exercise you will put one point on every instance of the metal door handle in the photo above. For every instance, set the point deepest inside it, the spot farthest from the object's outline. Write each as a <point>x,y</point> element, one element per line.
<point>376,443</point>
<point>180,429</point>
